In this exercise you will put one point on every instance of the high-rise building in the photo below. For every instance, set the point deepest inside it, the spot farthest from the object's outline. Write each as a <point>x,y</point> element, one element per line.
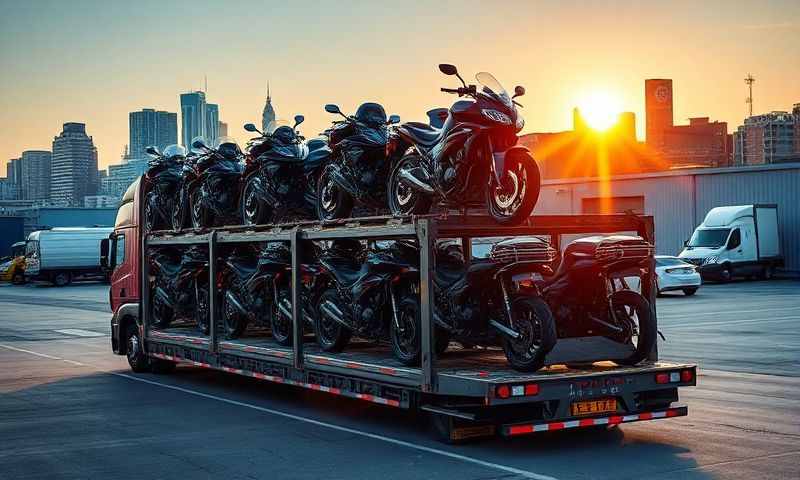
<point>212,123</point>
<point>150,127</point>
<point>13,176</point>
<point>796,119</point>
<point>658,109</point>
<point>223,129</point>
<point>73,170</point>
<point>767,138</point>
<point>193,117</point>
<point>268,115</point>
<point>702,143</point>
<point>34,175</point>
<point>121,176</point>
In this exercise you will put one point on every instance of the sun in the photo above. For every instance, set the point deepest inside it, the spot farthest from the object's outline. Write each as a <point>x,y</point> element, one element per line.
<point>600,110</point>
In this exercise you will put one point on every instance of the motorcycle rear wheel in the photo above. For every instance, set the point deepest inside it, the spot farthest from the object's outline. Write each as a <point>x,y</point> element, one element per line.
<point>534,321</point>
<point>331,335</point>
<point>280,323</point>
<point>332,201</point>
<point>404,200</point>
<point>512,201</point>
<point>254,210</point>
<point>199,213</point>
<point>633,311</point>
<point>179,211</point>
<point>234,322</point>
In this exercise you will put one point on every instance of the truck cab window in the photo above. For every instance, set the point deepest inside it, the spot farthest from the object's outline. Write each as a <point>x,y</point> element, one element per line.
<point>735,240</point>
<point>118,250</point>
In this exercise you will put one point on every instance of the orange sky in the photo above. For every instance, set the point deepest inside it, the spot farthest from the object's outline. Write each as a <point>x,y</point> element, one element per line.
<point>97,61</point>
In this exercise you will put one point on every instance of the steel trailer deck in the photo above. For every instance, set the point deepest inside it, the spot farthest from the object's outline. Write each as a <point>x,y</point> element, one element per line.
<point>462,385</point>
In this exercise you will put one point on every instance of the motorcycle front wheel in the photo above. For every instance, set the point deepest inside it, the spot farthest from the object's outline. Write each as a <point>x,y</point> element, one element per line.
<point>534,322</point>
<point>199,213</point>
<point>179,211</point>
<point>403,199</point>
<point>332,201</point>
<point>254,209</point>
<point>332,336</point>
<point>280,322</point>
<point>512,199</point>
<point>202,312</point>
<point>631,311</point>
<point>233,320</point>
<point>405,335</point>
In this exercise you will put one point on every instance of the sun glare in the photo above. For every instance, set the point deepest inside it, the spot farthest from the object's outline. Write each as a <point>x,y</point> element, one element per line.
<point>600,110</point>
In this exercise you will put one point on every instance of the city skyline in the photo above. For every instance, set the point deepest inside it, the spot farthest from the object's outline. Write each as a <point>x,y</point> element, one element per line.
<point>581,56</point>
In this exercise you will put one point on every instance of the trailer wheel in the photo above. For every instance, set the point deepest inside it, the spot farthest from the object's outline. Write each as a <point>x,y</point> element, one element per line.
<point>61,279</point>
<point>137,359</point>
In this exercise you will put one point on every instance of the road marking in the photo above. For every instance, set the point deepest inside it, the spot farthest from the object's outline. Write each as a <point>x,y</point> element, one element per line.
<point>374,436</point>
<point>668,326</point>
<point>80,332</point>
<point>723,312</point>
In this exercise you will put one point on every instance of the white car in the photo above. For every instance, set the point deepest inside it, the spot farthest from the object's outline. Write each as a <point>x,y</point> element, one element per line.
<point>675,274</point>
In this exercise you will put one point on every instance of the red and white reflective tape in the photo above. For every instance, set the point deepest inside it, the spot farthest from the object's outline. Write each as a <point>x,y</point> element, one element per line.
<point>276,379</point>
<point>511,430</point>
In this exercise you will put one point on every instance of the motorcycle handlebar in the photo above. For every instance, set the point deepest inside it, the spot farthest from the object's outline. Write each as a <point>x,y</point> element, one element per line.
<point>451,90</point>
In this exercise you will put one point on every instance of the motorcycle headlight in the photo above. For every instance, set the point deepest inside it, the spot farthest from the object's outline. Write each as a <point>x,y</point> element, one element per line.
<point>520,123</point>
<point>496,116</point>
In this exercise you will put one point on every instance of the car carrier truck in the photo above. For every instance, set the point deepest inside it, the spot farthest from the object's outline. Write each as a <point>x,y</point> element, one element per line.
<point>467,393</point>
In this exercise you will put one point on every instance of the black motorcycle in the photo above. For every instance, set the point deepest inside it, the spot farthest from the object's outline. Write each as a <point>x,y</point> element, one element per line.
<point>311,280</point>
<point>214,198</point>
<point>358,166</point>
<point>162,182</point>
<point>180,290</point>
<point>362,293</point>
<point>589,294</point>
<point>478,303</point>
<point>190,179</point>
<point>280,175</point>
<point>248,280</point>
<point>472,159</point>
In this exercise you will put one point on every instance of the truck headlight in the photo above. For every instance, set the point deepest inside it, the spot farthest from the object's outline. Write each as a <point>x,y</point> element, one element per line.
<point>496,116</point>
<point>711,260</point>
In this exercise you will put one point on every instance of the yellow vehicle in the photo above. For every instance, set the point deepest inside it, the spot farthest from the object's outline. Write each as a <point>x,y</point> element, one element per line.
<point>12,269</point>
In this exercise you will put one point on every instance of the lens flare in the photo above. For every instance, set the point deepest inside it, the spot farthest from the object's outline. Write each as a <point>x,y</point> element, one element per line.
<point>600,110</point>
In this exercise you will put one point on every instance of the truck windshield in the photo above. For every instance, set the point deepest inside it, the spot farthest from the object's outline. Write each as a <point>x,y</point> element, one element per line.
<point>709,237</point>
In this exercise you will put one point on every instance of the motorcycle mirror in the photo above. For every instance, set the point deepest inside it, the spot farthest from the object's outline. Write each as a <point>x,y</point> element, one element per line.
<point>448,69</point>
<point>393,119</point>
<point>331,108</point>
<point>200,144</point>
<point>152,150</point>
<point>298,119</point>
<point>251,128</point>
<point>519,91</point>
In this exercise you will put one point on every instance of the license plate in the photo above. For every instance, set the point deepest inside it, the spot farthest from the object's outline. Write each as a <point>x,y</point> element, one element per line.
<point>591,407</point>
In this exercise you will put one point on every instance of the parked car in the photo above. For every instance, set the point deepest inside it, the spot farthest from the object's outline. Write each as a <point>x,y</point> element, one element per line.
<point>736,241</point>
<point>12,268</point>
<point>675,274</point>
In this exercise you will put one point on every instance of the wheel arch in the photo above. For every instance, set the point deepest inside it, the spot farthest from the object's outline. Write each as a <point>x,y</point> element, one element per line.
<point>125,315</point>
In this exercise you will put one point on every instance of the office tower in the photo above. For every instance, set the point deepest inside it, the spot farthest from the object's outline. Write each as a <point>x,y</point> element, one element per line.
<point>658,110</point>
<point>73,168</point>
<point>150,127</point>
<point>193,117</point>
<point>212,123</point>
<point>34,175</point>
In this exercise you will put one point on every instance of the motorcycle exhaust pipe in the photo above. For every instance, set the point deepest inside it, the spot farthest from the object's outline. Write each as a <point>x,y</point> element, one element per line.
<point>332,311</point>
<point>504,330</point>
<point>408,178</point>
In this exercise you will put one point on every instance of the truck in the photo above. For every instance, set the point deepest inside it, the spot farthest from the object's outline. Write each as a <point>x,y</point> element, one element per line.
<point>736,241</point>
<point>466,392</point>
<point>61,255</point>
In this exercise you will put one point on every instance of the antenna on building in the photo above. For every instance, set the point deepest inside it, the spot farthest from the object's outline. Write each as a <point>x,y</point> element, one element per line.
<point>749,80</point>
<point>268,90</point>
<point>205,83</point>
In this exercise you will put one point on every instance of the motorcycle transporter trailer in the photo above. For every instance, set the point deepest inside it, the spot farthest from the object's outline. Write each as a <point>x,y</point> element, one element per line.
<point>467,393</point>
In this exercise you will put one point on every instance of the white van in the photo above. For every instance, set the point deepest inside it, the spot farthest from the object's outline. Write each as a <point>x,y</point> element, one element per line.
<point>734,241</point>
<point>59,255</point>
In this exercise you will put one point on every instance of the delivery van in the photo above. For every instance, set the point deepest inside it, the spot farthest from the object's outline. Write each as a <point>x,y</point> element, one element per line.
<point>736,241</point>
<point>60,255</point>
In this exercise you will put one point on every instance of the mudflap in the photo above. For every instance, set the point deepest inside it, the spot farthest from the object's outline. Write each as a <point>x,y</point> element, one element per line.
<point>455,430</point>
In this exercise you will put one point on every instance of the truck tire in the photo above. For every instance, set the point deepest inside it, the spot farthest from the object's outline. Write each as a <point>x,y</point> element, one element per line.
<point>61,279</point>
<point>767,273</point>
<point>689,291</point>
<point>137,359</point>
<point>725,275</point>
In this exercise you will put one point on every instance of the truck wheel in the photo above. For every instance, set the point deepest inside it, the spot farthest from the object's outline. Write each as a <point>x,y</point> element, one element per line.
<point>61,279</point>
<point>767,273</point>
<point>18,279</point>
<point>136,357</point>
<point>689,291</point>
<point>725,275</point>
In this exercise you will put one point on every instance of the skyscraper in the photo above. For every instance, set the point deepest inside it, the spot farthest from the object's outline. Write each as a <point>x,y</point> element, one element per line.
<point>73,169</point>
<point>34,175</point>
<point>223,129</point>
<point>212,123</point>
<point>193,117</point>
<point>150,127</point>
<point>268,116</point>
<point>658,110</point>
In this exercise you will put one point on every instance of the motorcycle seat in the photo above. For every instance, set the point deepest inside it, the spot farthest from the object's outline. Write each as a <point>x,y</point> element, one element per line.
<point>345,271</point>
<point>422,133</point>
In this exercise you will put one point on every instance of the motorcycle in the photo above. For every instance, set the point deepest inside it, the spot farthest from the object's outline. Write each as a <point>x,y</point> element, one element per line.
<point>280,175</point>
<point>214,196</point>
<point>589,295</point>
<point>181,289</point>
<point>358,162</point>
<point>310,281</point>
<point>361,293</point>
<point>190,178</point>
<point>248,279</point>
<point>473,158</point>
<point>480,304</point>
<point>162,179</point>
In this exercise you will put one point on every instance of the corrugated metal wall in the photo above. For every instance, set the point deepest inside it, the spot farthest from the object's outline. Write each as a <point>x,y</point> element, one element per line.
<point>679,202</point>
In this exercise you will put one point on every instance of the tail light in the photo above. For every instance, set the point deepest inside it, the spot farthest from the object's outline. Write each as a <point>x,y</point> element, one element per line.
<point>521,390</point>
<point>682,376</point>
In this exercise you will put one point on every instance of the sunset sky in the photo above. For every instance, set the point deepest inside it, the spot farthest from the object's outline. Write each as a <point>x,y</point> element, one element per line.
<point>94,62</point>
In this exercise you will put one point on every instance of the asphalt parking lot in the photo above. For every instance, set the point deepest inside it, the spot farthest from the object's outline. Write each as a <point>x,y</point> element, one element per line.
<point>71,409</point>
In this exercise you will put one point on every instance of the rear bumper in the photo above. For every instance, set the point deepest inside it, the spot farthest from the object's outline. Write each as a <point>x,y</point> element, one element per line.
<point>669,282</point>
<point>512,430</point>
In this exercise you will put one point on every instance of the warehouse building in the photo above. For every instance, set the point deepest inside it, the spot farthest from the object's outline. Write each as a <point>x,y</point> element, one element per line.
<point>680,199</point>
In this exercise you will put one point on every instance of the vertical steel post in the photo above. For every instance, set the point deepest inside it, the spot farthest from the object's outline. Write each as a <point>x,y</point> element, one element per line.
<point>425,235</point>
<point>297,318</point>
<point>144,289</point>
<point>212,292</point>
<point>466,247</point>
